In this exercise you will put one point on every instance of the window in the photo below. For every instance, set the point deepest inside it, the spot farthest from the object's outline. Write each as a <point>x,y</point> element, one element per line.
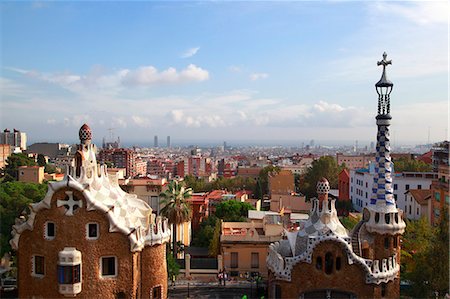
<point>386,243</point>
<point>277,291</point>
<point>383,290</point>
<point>157,292</point>
<point>338,263</point>
<point>419,187</point>
<point>417,211</point>
<point>38,265</point>
<point>446,199</point>
<point>319,263</point>
<point>92,231</point>
<point>328,263</point>
<point>409,209</point>
<point>437,196</point>
<point>69,274</point>
<point>234,260</point>
<point>255,260</point>
<point>396,242</point>
<point>395,186</point>
<point>407,187</point>
<point>50,230</point>
<point>108,265</point>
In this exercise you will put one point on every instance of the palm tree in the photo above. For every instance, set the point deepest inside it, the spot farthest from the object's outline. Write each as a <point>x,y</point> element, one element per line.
<point>176,209</point>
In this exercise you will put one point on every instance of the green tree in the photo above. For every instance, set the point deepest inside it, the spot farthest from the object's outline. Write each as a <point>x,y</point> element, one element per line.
<point>404,164</point>
<point>233,211</point>
<point>176,209</point>
<point>41,160</point>
<point>425,257</point>
<point>205,233</point>
<point>49,168</point>
<point>173,269</point>
<point>326,167</point>
<point>214,245</point>
<point>262,186</point>
<point>13,163</point>
<point>14,200</point>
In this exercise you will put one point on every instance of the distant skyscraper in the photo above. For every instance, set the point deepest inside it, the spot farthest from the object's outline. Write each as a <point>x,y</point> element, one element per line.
<point>155,141</point>
<point>168,141</point>
<point>224,145</point>
<point>14,139</point>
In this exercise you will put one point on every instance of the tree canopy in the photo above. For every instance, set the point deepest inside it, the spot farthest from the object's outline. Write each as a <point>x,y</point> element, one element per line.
<point>14,199</point>
<point>262,186</point>
<point>233,210</point>
<point>12,165</point>
<point>404,164</point>
<point>425,257</point>
<point>230,184</point>
<point>326,167</point>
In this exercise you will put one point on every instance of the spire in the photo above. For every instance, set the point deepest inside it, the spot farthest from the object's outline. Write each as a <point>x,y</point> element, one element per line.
<point>382,190</point>
<point>384,89</point>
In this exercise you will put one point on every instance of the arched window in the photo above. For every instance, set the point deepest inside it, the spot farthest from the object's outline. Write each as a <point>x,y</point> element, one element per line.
<point>78,162</point>
<point>395,241</point>
<point>383,290</point>
<point>328,263</point>
<point>319,263</point>
<point>338,263</point>
<point>377,217</point>
<point>386,242</point>
<point>387,218</point>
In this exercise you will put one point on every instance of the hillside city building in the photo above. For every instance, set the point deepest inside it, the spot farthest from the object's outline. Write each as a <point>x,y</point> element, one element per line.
<point>324,260</point>
<point>15,139</point>
<point>88,238</point>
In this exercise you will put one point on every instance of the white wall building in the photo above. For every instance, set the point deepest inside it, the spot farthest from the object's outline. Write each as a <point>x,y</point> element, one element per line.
<point>361,183</point>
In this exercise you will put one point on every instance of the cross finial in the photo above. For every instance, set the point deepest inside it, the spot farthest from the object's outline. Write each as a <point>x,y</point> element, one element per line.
<point>384,62</point>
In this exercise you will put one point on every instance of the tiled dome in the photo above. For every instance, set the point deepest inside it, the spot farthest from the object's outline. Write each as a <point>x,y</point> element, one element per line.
<point>85,133</point>
<point>323,186</point>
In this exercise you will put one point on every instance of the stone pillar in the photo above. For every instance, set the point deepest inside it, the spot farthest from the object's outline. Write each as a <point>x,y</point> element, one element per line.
<point>187,265</point>
<point>219,262</point>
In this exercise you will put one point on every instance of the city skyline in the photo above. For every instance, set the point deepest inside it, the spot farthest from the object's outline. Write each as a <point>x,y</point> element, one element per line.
<point>214,71</point>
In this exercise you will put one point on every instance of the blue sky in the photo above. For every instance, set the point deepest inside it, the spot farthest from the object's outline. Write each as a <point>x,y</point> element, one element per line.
<point>213,71</point>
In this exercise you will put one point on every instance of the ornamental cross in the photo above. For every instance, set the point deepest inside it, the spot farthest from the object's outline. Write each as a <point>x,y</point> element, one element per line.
<point>70,203</point>
<point>384,62</point>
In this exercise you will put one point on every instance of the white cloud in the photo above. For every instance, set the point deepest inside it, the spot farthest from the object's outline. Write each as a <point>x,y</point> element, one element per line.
<point>196,121</point>
<point>258,76</point>
<point>119,122</point>
<point>110,83</point>
<point>51,121</point>
<point>141,121</point>
<point>420,12</point>
<point>190,52</point>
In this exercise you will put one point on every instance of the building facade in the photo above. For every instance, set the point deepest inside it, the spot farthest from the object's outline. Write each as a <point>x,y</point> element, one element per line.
<point>31,174</point>
<point>120,158</point>
<point>88,238</point>
<point>5,152</point>
<point>14,139</point>
<point>361,186</point>
<point>324,260</point>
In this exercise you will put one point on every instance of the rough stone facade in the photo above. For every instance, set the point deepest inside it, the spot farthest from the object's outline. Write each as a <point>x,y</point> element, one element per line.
<point>121,254</point>
<point>71,232</point>
<point>314,282</point>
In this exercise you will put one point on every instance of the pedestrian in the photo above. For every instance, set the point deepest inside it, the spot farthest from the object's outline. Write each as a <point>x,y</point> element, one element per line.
<point>225,277</point>
<point>220,276</point>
